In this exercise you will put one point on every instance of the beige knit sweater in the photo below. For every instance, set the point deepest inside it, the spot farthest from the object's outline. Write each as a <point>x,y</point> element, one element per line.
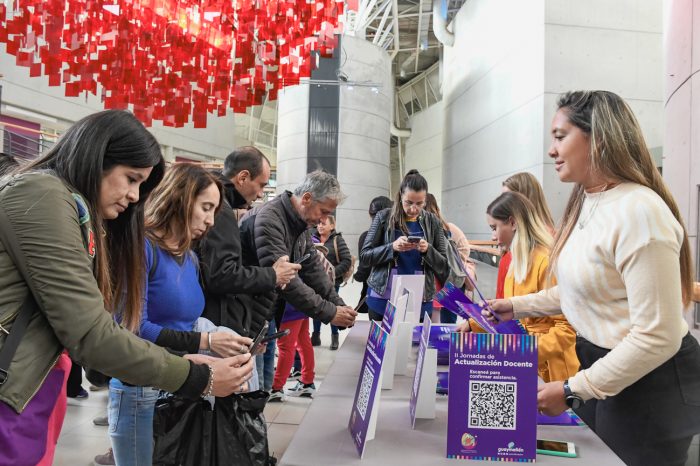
<point>619,286</point>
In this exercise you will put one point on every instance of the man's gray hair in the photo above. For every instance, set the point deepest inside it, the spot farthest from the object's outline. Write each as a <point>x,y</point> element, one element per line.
<point>322,186</point>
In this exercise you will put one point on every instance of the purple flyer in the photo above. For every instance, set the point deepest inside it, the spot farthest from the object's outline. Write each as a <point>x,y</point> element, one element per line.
<point>361,424</point>
<point>492,401</point>
<point>389,317</point>
<point>454,300</point>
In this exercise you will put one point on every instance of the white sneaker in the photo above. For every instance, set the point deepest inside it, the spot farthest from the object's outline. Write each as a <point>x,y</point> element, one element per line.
<point>301,389</point>
<point>277,396</point>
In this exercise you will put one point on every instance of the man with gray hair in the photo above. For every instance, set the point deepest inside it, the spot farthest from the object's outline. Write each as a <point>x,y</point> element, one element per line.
<point>281,228</point>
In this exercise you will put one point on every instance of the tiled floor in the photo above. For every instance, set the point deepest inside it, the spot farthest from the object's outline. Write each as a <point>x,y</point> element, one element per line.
<point>80,440</point>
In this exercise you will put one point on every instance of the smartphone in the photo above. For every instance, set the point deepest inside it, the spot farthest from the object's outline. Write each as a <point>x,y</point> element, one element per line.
<point>303,258</point>
<point>556,448</point>
<point>259,337</point>
<point>414,239</point>
<point>275,336</point>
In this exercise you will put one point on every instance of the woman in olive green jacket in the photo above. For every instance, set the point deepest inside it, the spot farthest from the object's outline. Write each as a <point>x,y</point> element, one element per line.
<point>73,222</point>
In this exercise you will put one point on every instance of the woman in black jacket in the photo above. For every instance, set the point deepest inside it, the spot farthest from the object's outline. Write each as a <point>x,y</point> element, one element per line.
<point>378,204</point>
<point>338,255</point>
<point>405,240</point>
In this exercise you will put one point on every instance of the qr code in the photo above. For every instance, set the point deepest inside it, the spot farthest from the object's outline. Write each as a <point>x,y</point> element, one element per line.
<point>492,405</point>
<point>365,389</point>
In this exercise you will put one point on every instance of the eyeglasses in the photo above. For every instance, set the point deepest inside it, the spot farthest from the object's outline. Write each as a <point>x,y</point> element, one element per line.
<point>409,204</point>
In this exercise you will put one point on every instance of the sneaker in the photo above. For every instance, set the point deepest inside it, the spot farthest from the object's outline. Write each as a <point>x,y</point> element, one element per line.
<point>101,421</point>
<point>334,342</point>
<point>98,388</point>
<point>294,376</point>
<point>302,389</point>
<point>106,459</point>
<point>277,396</point>
<point>315,339</point>
<point>82,394</point>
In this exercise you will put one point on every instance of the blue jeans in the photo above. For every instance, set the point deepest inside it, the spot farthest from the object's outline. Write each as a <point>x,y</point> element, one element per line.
<point>265,362</point>
<point>130,416</point>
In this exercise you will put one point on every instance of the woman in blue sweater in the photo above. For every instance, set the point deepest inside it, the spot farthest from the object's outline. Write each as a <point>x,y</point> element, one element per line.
<point>180,211</point>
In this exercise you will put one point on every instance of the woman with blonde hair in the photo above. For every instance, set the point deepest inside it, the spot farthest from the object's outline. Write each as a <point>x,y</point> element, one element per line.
<point>517,226</point>
<point>624,272</point>
<point>526,184</point>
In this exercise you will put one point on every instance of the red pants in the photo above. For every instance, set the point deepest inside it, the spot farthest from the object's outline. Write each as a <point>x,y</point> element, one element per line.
<point>298,339</point>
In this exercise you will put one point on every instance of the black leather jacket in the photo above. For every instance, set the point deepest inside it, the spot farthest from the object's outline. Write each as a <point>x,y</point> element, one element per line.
<point>380,255</point>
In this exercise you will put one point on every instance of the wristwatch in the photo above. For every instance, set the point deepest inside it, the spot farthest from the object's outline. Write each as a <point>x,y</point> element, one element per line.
<point>572,400</point>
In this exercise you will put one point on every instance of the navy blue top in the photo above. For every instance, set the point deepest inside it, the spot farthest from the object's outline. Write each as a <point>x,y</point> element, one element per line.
<point>174,297</point>
<point>407,263</point>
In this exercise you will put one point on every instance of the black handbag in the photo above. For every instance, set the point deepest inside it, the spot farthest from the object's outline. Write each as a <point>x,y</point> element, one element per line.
<point>192,433</point>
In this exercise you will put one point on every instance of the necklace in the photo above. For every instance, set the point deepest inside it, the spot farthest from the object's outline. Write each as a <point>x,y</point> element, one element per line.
<point>584,222</point>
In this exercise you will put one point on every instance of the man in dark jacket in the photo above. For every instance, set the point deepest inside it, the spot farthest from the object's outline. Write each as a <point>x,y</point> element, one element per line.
<point>235,294</point>
<point>281,228</point>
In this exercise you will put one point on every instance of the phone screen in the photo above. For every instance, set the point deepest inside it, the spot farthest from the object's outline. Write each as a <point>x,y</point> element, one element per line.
<point>553,445</point>
<point>414,239</point>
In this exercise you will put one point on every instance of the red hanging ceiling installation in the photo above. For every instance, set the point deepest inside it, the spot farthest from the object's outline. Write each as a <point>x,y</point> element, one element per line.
<point>171,58</point>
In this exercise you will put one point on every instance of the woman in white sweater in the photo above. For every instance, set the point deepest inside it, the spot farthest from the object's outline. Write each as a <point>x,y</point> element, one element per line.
<point>624,272</point>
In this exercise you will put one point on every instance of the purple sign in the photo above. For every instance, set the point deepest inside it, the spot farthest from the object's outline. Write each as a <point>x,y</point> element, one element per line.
<point>422,347</point>
<point>389,317</point>
<point>368,385</point>
<point>492,401</point>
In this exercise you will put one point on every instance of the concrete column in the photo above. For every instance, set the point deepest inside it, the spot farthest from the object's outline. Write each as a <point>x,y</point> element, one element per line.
<point>357,127</point>
<point>505,72</point>
<point>681,155</point>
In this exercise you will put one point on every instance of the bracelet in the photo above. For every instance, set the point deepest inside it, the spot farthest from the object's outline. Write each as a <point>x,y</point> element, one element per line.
<point>210,386</point>
<point>209,340</point>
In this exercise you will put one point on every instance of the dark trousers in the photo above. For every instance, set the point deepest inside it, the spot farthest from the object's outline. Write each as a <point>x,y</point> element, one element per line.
<point>652,421</point>
<point>75,380</point>
<point>375,315</point>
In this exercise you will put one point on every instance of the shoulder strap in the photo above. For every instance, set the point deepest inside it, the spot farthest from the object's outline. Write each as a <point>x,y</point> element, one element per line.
<point>29,306</point>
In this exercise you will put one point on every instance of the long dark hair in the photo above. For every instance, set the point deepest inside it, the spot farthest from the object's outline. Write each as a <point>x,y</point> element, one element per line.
<point>91,147</point>
<point>413,181</point>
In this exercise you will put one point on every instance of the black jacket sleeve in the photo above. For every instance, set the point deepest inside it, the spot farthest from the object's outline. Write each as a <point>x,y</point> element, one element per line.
<point>315,295</point>
<point>345,257</point>
<point>375,252</point>
<point>179,340</point>
<point>195,383</point>
<point>221,261</point>
<point>363,269</point>
<point>436,255</point>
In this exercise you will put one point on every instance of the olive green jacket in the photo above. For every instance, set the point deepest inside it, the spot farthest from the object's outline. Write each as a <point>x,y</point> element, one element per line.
<point>44,217</point>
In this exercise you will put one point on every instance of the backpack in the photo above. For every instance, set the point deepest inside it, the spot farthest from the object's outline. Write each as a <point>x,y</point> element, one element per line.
<point>457,275</point>
<point>348,273</point>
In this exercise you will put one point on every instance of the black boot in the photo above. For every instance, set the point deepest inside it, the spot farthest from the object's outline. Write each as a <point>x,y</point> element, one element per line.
<point>334,341</point>
<point>315,339</point>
